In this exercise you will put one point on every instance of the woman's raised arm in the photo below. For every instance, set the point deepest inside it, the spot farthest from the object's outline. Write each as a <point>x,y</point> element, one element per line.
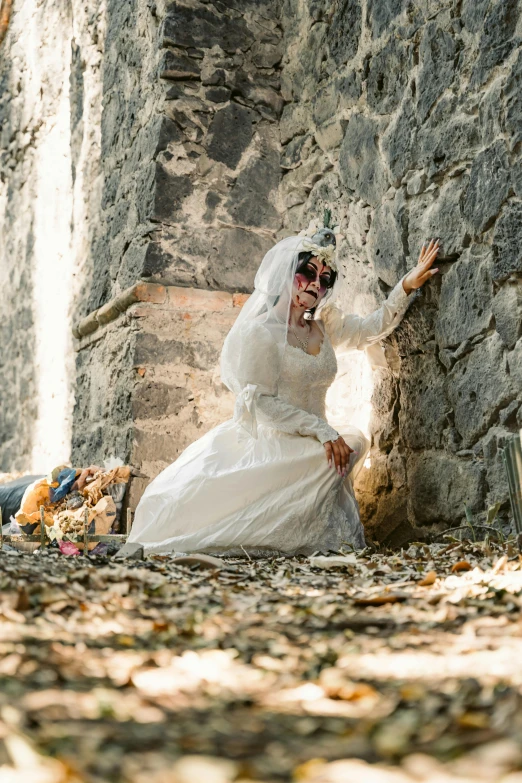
<point>353,331</point>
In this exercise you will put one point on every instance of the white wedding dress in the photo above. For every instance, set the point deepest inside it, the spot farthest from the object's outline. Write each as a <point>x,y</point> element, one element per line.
<point>231,492</point>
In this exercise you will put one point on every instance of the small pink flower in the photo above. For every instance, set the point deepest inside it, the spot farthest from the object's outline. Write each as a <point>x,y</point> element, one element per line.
<point>68,548</point>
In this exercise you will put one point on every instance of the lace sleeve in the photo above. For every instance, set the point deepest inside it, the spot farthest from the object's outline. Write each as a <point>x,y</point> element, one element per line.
<point>288,418</point>
<point>260,364</point>
<point>353,331</point>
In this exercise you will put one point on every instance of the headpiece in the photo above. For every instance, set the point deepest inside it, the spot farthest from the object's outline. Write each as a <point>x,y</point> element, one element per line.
<point>321,239</point>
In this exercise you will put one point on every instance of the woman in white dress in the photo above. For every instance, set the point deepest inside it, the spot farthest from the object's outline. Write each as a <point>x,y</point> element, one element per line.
<point>277,478</point>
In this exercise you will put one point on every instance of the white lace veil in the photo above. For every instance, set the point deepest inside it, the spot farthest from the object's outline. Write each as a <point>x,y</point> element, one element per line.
<point>253,349</point>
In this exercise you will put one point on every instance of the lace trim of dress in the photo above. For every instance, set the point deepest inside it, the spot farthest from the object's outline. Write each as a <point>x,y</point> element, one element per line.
<point>334,529</point>
<point>341,529</point>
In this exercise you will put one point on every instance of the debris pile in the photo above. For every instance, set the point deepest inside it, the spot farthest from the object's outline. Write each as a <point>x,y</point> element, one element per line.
<point>70,497</point>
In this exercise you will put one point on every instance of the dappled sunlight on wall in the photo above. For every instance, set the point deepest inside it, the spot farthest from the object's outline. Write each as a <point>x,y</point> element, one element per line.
<point>348,400</point>
<point>52,293</point>
<point>52,73</point>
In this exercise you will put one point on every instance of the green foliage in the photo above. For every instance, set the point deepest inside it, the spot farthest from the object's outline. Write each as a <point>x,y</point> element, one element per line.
<point>492,513</point>
<point>469,520</point>
<point>327,218</point>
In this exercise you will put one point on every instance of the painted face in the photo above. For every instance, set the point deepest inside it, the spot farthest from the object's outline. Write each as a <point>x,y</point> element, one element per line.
<point>311,283</point>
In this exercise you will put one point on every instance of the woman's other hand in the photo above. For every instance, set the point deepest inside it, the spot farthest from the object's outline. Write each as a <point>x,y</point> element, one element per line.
<point>338,453</point>
<point>423,271</point>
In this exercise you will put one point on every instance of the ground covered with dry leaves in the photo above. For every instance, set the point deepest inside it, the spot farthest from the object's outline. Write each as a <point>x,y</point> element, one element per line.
<point>396,668</point>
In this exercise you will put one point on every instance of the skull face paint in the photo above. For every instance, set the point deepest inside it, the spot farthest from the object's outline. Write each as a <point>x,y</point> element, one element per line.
<point>311,282</point>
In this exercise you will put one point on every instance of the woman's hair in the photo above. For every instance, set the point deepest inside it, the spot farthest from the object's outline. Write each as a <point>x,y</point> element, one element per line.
<point>302,260</point>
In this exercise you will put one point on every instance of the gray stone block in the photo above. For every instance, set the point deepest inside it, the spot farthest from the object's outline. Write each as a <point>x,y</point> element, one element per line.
<point>266,55</point>
<point>325,103</point>
<point>175,65</point>
<point>388,75</point>
<point>492,445</point>
<point>251,200</point>
<point>507,309</point>
<point>204,28</point>
<point>491,112</point>
<point>169,194</point>
<point>478,387</point>
<point>385,241</point>
<point>240,252</point>
<point>437,213</point>
<point>497,40</point>
<point>473,13</point>
<point>507,242</point>
<point>296,151</point>
<point>424,407</point>
<point>465,301</point>
<point>399,143</point>
<point>349,88</point>
<point>164,133</point>
<point>515,367</point>
<point>231,132</point>
<point>381,14</point>
<point>436,66</point>
<point>218,94</point>
<point>360,165</point>
<point>508,415</point>
<point>344,31</point>
<point>416,183</point>
<point>488,187</point>
<point>449,136</point>
<point>440,486</point>
<point>513,99</point>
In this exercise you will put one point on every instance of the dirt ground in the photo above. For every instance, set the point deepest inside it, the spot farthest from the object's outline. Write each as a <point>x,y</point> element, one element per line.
<point>385,668</point>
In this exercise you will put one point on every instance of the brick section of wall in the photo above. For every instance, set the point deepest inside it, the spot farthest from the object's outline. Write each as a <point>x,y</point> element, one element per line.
<point>151,378</point>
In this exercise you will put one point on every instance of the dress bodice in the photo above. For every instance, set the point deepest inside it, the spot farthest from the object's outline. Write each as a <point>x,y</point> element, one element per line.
<point>305,378</point>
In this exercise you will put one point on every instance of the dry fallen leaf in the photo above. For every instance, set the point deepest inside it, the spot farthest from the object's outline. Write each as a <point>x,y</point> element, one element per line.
<point>429,579</point>
<point>462,565</point>
<point>474,720</point>
<point>379,600</point>
<point>22,601</point>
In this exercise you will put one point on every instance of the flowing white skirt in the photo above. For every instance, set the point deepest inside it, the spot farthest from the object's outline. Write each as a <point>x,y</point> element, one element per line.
<point>270,494</point>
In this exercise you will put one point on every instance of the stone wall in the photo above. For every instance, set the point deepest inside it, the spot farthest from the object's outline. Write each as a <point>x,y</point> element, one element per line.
<point>405,118</point>
<point>190,200</point>
<point>153,151</point>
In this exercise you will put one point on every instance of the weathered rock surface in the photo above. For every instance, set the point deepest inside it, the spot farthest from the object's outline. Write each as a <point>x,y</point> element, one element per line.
<point>431,113</point>
<point>192,136</point>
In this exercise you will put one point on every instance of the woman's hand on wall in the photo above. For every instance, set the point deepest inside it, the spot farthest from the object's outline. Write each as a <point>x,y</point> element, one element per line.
<point>423,271</point>
<point>338,453</point>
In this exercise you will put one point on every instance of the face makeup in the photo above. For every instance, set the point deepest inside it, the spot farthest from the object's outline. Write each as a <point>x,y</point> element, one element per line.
<point>313,279</point>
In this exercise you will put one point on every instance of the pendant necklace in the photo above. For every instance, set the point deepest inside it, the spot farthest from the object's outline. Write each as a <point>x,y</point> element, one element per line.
<point>304,345</point>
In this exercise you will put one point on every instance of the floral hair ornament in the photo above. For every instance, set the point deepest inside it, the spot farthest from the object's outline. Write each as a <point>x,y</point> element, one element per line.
<point>321,239</point>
